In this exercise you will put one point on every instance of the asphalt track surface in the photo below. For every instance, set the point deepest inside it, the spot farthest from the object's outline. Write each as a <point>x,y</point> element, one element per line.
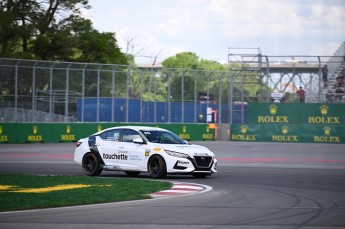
<point>258,185</point>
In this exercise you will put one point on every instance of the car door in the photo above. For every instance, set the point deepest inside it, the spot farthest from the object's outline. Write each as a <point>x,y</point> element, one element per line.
<point>108,144</point>
<point>134,151</point>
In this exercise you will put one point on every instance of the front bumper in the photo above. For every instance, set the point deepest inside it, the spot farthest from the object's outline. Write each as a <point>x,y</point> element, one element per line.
<point>193,165</point>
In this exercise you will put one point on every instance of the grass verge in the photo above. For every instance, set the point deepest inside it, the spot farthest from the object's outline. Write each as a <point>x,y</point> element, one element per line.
<point>22,192</point>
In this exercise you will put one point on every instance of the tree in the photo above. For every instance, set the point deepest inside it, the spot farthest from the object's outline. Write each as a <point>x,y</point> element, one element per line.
<point>210,77</point>
<point>193,72</point>
<point>183,65</point>
<point>54,30</point>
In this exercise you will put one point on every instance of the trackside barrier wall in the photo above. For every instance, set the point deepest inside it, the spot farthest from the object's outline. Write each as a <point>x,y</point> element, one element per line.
<point>72,132</point>
<point>142,111</point>
<point>310,123</point>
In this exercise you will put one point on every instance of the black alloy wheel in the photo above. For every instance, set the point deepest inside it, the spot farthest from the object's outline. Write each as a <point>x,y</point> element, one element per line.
<point>91,165</point>
<point>157,167</point>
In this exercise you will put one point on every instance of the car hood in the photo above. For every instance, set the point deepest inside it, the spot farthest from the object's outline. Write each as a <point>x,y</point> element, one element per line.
<point>194,150</point>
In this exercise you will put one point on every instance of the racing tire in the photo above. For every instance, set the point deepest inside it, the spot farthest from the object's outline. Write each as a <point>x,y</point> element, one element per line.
<point>157,167</point>
<point>132,173</point>
<point>91,165</point>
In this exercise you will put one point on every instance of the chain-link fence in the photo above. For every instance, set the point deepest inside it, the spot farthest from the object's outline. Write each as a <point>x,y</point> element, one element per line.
<point>44,91</point>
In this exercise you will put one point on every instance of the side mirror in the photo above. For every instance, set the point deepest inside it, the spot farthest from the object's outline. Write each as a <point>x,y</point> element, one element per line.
<point>186,142</point>
<point>138,141</point>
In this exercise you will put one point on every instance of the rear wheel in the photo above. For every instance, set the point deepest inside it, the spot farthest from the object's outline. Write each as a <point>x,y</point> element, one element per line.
<point>157,167</point>
<point>91,165</point>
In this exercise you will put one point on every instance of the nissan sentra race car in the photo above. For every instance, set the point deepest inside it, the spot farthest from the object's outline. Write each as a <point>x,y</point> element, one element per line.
<point>136,149</point>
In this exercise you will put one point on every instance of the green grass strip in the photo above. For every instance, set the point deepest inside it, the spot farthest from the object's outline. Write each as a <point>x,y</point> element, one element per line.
<point>22,192</point>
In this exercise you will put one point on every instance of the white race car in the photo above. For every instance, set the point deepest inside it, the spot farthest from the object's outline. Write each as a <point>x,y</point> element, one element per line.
<point>136,149</point>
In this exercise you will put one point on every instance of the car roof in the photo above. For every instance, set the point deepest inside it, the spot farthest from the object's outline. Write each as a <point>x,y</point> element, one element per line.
<point>135,128</point>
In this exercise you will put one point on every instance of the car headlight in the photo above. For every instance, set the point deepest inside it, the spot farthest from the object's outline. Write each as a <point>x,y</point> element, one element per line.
<point>176,154</point>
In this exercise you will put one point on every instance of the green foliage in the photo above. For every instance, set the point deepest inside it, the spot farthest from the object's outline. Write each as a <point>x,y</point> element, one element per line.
<point>54,30</point>
<point>195,74</point>
<point>191,71</point>
<point>182,60</point>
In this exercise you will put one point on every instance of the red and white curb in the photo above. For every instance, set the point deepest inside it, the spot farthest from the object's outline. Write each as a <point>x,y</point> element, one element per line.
<point>181,189</point>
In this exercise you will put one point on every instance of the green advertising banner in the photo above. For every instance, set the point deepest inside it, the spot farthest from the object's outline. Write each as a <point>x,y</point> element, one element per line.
<point>34,132</point>
<point>72,132</point>
<point>8,132</point>
<point>294,113</point>
<point>265,133</point>
<point>288,133</point>
<point>323,133</point>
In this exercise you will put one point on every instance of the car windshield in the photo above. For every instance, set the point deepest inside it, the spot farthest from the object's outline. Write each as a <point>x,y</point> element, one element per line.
<point>164,137</point>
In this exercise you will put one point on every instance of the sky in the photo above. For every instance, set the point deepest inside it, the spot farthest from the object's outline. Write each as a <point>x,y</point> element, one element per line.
<point>212,29</point>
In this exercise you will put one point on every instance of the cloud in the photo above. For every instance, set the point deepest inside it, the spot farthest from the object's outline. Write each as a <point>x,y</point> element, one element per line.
<point>209,27</point>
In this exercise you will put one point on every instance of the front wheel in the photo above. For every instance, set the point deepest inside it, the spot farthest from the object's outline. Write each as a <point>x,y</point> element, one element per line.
<point>157,167</point>
<point>91,165</point>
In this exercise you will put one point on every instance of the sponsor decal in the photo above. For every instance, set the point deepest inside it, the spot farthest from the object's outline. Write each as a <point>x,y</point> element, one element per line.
<point>35,137</point>
<point>324,109</point>
<point>327,130</point>
<point>147,152</point>
<point>243,136</point>
<point>327,138</point>
<point>207,136</point>
<point>34,129</point>
<point>116,156</point>
<point>156,149</point>
<point>284,137</point>
<point>273,109</point>
<point>184,129</point>
<point>273,119</point>
<point>184,135</point>
<point>134,157</point>
<point>322,119</point>
<point>67,136</point>
<point>3,138</point>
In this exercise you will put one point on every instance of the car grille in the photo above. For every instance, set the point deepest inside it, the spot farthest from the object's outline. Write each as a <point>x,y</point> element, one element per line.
<point>203,161</point>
